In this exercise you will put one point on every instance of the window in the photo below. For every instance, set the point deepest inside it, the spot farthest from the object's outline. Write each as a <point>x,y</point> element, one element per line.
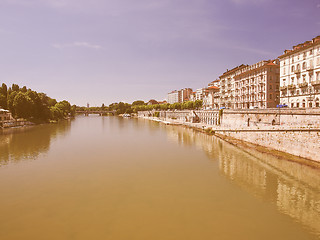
<point>310,53</point>
<point>298,67</point>
<point>270,87</point>
<point>270,96</point>
<point>292,69</point>
<point>304,65</point>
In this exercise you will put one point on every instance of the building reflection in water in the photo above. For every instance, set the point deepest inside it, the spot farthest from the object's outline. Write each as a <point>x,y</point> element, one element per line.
<point>29,142</point>
<point>292,187</point>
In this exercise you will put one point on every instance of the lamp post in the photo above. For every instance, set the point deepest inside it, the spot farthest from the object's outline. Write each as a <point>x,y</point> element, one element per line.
<point>279,106</point>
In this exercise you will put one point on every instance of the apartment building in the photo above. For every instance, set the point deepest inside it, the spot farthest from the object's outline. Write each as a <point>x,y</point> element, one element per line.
<point>174,96</point>
<point>257,85</point>
<point>227,87</point>
<point>185,94</point>
<point>300,75</point>
<point>211,97</point>
<point>179,96</point>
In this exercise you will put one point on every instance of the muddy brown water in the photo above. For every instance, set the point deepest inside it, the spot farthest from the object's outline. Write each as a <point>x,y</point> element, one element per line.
<point>133,179</point>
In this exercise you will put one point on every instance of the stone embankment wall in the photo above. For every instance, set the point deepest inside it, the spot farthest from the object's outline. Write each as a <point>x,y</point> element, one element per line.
<point>294,131</point>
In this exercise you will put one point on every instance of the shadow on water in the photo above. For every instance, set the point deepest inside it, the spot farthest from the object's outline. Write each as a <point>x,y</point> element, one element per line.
<point>17,144</point>
<point>292,187</point>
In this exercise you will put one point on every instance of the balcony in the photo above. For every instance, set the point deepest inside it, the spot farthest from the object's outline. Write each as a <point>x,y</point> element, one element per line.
<point>302,85</point>
<point>314,83</point>
<point>291,86</point>
<point>310,68</point>
<point>296,71</point>
<point>283,88</point>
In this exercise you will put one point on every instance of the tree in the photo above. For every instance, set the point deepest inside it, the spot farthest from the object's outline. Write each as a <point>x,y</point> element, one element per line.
<point>138,102</point>
<point>3,96</point>
<point>198,104</point>
<point>55,113</point>
<point>23,105</point>
<point>15,87</point>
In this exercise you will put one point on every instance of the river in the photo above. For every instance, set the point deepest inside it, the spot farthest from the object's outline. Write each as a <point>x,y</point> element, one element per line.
<point>132,179</point>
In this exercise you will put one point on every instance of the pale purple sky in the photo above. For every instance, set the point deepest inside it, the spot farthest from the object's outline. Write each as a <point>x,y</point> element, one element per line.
<point>103,51</point>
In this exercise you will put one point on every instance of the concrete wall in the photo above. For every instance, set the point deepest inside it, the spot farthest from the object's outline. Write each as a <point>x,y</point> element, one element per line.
<point>300,143</point>
<point>292,131</point>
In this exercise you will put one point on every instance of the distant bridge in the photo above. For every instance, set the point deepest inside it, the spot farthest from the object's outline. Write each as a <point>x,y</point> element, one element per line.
<point>101,113</point>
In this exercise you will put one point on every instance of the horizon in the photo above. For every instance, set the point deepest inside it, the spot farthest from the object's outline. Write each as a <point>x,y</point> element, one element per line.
<point>113,51</point>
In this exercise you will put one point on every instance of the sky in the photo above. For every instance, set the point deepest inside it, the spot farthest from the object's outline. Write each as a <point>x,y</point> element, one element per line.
<point>104,51</point>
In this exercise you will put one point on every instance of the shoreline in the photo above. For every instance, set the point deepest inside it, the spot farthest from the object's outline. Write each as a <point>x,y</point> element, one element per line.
<point>242,144</point>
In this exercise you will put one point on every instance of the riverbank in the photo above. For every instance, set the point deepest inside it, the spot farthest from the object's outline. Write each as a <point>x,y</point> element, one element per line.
<point>231,136</point>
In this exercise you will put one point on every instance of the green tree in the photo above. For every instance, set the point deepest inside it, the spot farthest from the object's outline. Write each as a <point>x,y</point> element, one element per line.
<point>56,113</point>
<point>3,96</point>
<point>22,105</point>
<point>138,102</point>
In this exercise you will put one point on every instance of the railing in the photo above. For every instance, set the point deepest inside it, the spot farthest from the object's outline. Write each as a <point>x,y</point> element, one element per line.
<point>304,84</point>
<point>315,82</point>
<point>291,86</point>
<point>310,68</point>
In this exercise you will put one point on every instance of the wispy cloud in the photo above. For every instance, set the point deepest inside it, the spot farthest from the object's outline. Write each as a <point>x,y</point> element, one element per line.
<point>77,44</point>
<point>254,50</point>
<point>240,2</point>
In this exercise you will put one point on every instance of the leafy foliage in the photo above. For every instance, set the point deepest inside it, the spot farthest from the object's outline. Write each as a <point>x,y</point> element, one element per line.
<point>31,105</point>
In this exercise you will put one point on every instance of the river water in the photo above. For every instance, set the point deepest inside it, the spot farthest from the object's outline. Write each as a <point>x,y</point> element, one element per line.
<point>132,179</point>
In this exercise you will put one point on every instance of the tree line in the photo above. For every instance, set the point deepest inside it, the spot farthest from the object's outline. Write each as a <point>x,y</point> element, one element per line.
<point>139,105</point>
<point>33,106</point>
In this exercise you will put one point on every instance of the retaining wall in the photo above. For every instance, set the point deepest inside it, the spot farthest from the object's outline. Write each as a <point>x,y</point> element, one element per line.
<point>294,131</point>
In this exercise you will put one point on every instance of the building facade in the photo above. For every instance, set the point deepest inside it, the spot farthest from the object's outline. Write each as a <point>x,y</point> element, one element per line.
<point>227,87</point>
<point>211,98</point>
<point>185,94</point>
<point>257,85</point>
<point>300,75</point>
<point>174,97</point>
<point>5,116</point>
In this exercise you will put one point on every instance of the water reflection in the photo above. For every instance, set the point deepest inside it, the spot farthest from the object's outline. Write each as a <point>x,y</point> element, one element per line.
<point>29,142</point>
<point>293,188</point>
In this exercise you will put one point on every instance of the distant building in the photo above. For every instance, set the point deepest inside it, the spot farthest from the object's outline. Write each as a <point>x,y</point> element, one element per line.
<point>192,96</point>
<point>199,94</point>
<point>300,75</point>
<point>5,115</point>
<point>152,102</point>
<point>163,102</point>
<point>173,97</point>
<point>185,94</point>
<point>211,98</point>
<point>179,96</point>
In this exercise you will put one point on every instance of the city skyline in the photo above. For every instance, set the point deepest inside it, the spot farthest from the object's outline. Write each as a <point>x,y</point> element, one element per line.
<point>115,51</point>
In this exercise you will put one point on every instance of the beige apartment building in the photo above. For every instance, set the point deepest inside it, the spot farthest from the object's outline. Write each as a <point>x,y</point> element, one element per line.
<point>257,85</point>
<point>179,96</point>
<point>300,75</point>
<point>227,87</point>
<point>254,86</point>
<point>211,98</point>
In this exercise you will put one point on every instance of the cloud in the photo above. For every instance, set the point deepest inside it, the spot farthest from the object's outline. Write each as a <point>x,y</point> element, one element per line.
<point>254,50</point>
<point>87,45</point>
<point>240,2</point>
<point>77,44</point>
